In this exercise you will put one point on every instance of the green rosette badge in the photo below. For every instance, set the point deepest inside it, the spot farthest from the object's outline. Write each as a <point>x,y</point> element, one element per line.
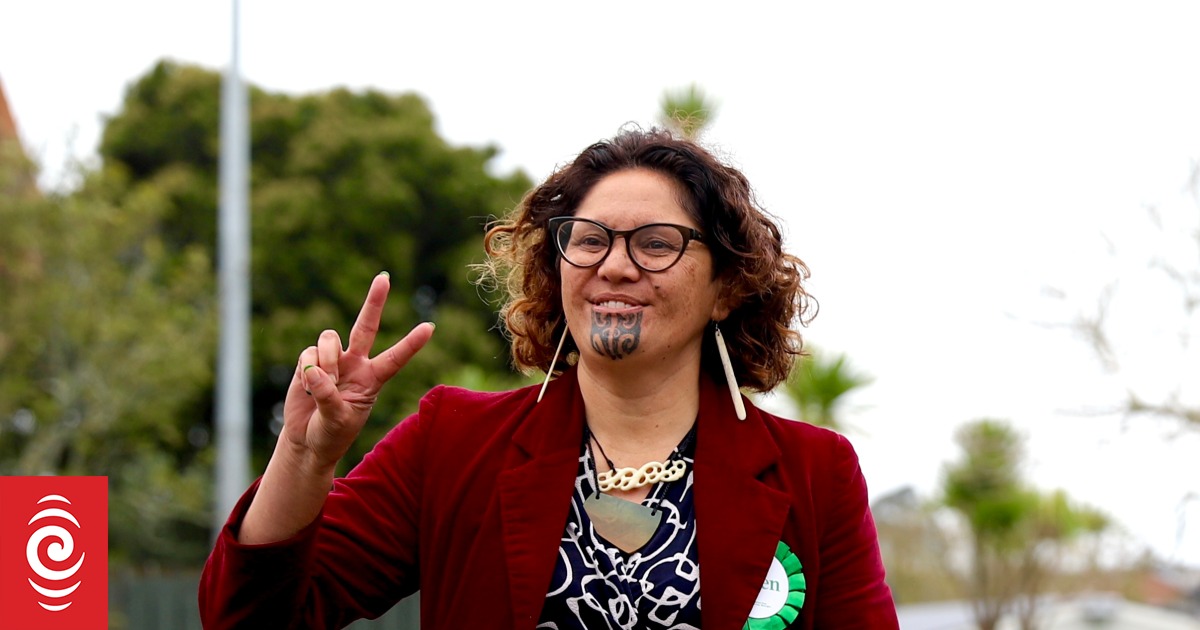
<point>782,595</point>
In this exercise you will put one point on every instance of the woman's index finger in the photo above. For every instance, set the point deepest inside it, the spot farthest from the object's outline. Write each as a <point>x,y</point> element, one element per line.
<point>362,335</point>
<point>392,360</point>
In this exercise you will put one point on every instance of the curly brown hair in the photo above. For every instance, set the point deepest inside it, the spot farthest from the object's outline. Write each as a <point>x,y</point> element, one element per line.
<point>764,285</point>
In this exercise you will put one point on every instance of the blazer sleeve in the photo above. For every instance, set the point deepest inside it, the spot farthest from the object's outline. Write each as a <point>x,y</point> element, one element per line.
<point>853,591</point>
<point>357,559</point>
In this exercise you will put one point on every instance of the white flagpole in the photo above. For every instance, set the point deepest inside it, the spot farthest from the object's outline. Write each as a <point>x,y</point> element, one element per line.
<point>233,264</point>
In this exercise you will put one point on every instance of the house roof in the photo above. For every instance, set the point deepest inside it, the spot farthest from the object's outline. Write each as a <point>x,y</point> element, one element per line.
<point>19,177</point>
<point>8,126</point>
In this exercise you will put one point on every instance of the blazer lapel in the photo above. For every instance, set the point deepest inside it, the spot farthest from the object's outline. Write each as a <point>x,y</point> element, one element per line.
<point>535,493</point>
<point>739,518</point>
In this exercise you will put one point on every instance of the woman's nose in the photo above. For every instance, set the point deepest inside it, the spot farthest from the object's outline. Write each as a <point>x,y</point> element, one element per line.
<point>618,264</point>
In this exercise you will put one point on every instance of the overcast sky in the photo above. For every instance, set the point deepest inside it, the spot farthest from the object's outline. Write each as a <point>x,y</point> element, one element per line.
<point>944,168</point>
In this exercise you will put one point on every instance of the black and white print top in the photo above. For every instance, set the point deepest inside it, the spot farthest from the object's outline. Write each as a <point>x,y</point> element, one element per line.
<point>596,585</point>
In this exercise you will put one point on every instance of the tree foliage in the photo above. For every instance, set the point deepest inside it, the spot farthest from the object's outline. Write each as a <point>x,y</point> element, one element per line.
<point>107,326</point>
<point>687,111</point>
<point>106,339</point>
<point>343,185</point>
<point>1143,323</point>
<point>1017,535</point>
<point>818,386</point>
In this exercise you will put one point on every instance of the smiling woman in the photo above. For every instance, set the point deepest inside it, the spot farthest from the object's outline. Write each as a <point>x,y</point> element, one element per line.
<point>613,494</point>
<point>602,289</point>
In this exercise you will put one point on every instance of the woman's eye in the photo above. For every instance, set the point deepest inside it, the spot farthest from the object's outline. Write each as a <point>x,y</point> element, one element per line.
<point>591,242</point>
<point>657,246</point>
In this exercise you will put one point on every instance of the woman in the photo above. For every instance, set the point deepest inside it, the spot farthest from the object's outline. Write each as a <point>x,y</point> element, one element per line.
<point>644,276</point>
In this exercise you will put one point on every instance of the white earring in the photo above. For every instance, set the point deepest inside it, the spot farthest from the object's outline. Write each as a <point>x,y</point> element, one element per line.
<point>729,377</point>
<point>550,370</point>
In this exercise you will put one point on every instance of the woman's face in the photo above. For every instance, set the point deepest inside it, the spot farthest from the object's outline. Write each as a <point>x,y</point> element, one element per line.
<point>617,311</point>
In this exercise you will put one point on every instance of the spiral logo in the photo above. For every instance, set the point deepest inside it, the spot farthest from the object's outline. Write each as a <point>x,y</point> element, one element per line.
<point>55,585</point>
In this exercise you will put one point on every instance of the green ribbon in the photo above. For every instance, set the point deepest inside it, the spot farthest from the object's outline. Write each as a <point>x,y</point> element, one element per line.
<point>795,597</point>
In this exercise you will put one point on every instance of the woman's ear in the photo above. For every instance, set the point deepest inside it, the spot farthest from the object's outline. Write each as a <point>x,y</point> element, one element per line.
<point>725,304</point>
<point>720,311</point>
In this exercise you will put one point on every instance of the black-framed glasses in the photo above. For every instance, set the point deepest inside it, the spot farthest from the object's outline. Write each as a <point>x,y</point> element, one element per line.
<point>652,247</point>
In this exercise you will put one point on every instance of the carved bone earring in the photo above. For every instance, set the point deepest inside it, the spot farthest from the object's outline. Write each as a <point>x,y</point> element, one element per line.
<point>550,370</point>
<point>729,377</point>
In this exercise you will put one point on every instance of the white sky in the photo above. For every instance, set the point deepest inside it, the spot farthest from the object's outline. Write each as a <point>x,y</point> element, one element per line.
<point>936,164</point>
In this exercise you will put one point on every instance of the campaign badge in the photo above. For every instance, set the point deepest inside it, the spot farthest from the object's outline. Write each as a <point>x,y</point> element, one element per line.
<point>782,594</point>
<point>54,552</point>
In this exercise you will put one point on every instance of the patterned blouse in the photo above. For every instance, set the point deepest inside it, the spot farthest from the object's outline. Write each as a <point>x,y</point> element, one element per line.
<point>596,585</point>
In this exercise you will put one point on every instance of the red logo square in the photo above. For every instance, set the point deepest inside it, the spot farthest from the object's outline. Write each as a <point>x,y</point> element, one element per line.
<point>54,553</point>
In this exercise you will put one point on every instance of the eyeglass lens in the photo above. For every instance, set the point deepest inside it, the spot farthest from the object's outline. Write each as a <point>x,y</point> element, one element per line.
<point>653,247</point>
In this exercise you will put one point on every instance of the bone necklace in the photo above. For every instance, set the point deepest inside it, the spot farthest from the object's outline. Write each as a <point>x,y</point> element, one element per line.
<point>625,524</point>
<point>630,478</point>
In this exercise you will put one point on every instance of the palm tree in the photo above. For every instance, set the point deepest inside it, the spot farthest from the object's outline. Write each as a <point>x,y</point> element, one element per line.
<point>818,385</point>
<point>687,111</point>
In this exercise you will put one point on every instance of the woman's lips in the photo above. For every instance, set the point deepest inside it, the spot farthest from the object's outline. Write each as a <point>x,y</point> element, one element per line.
<point>615,306</point>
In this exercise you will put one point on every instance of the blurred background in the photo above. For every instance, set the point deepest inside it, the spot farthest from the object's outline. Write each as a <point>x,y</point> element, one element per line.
<point>1000,206</point>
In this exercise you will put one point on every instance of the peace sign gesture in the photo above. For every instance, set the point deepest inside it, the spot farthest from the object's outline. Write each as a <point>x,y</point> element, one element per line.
<point>331,395</point>
<point>333,390</point>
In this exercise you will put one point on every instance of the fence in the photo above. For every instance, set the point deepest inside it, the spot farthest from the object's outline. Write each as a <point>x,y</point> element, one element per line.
<point>168,602</point>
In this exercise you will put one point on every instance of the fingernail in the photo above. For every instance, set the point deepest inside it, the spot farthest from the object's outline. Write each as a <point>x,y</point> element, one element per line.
<point>304,379</point>
<point>385,274</point>
<point>432,325</point>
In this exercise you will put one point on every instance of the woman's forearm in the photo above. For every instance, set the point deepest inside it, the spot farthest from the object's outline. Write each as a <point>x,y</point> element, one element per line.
<point>290,496</point>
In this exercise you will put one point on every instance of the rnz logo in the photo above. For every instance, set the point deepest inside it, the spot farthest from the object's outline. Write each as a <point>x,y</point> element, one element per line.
<point>54,553</point>
<point>55,586</point>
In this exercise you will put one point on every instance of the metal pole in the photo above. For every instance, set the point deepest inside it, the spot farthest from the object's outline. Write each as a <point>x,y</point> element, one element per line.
<point>233,264</point>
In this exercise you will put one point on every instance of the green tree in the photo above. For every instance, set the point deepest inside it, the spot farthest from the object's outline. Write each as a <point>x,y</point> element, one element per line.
<point>687,111</point>
<point>343,184</point>
<point>1017,535</point>
<point>818,386</point>
<point>1052,525</point>
<point>107,328</point>
<point>985,488</point>
<point>105,338</point>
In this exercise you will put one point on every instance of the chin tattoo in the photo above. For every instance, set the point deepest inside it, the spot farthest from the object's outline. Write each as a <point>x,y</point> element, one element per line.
<point>616,336</point>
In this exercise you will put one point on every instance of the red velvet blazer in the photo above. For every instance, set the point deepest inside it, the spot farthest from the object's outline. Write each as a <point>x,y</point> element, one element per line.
<point>467,499</point>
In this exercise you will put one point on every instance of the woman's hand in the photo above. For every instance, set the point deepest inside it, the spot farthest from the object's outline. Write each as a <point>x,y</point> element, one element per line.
<point>327,405</point>
<point>333,390</point>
